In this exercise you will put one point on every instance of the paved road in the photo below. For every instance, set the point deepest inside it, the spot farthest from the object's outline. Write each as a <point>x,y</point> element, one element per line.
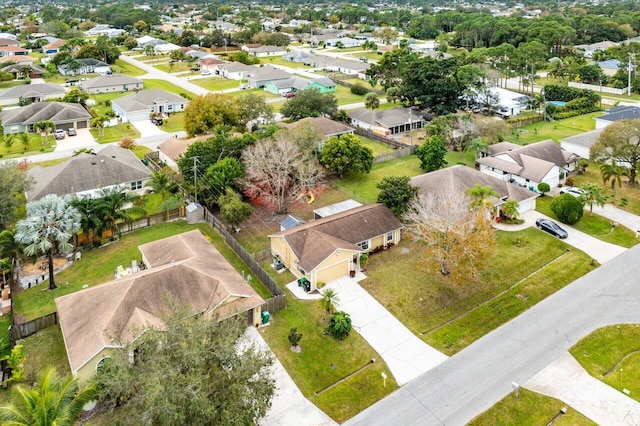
<point>476,378</point>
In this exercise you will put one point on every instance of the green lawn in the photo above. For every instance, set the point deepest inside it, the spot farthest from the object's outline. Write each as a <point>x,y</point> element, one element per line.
<point>363,187</point>
<point>369,55</point>
<point>5,323</point>
<point>169,87</point>
<point>214,84</point>
<point>116,133</point>
<point>449,316</point>
<point>345,97</point>
<point>261,92</point>
<point>177,67</point>
<point>530,409</point>
<point>100,99</point>
<point>277,60</point>
<point>11,83</point>
<point>98,265</point>
<point>594,225</point>
<point>35,145</point>
<point>612,354</point>
<point>43,350</point>
<point>140,151</point>
<point>627,197</point>
<point>555,130</point>
<point>122,67</point>
<point>376,147</point>
<point>174,123</point>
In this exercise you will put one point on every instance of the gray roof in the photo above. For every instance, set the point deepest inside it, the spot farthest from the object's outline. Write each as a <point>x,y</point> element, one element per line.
<point>35,69</point>
<point>584,139</point>
<point>267,73</point>
<point>328,61</point>
<point>336,208</point>
<point>236,67</point>
<point>621,113</point>
<point>145,98</point>
<point>58,112</point>
<point>547,150</point>
<point>84,172</point>
<point>290,221</point>
<point>266,49</point>
<point>109,81</point>
<point>387,117</point>
<point>457,179</point>
<point>32,91</point>
<point>326,126</point>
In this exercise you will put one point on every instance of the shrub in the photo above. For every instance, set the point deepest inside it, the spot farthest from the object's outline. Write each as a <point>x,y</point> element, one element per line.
<point>544,187</point>
<point>127,143</point>
<point>339,325</point>
<point>567,208</point>
<point>294,337</point>
<point>569,182</point>
<point>359,89</point>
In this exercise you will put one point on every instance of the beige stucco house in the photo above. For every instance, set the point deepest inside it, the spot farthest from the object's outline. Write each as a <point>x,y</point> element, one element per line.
<point>186,267</point>
<point>329,248</point>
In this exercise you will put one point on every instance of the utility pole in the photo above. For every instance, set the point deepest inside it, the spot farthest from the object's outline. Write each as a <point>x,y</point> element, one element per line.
<point>195,175</point>
<point>632,58</point>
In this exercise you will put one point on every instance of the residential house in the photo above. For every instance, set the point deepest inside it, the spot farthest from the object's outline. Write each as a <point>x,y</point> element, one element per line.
<point>529,165</point>
<point>20,71</point>
<point>389,121</point>
<point>346,42</point>
<point>111,83</point>
<point>325,126</point>
<point>209,63</point>
<point>328,63</point>
<point>233,70</point>
<point>30,92</point>
<point>580,144</point>
<point>9,42</point>
<point>589,49</point>
<point>507,103</point>
<point>260,76</point>
<point>609,67</point>
<point>615,114</point>
<point>104,29</point>
<point>159,46</point>
<point>139,106</point>
<point>299,56</point>
<point>329,248</point>
<point>185,267</point>
<point>173,148</point>
<point>264,51</point>
<point>13,51</point>
<point>457,179</point>
<point>54,47</point>
<point>294,84</point>
<point>20,59</point>
<point>88,66</point>
<point>86,175</point>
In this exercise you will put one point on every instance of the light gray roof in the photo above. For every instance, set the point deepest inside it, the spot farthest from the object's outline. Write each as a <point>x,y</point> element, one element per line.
<point>620,113</point>
<point>109,81</point>
<point>84,172</point>
<point>457,179</point>
<point>527,167</point>
<point>584,139</point>
<point>336,208</point>
<point>236,67</point>
<point>267,73</point>
<point>32,91</point>
<point>326,126</point>
<point>58,112</point>
<point>547,150</point>
<point>388,117</point>
<point>266,49</point>
<point>144,99</point>
<point>35,69</point>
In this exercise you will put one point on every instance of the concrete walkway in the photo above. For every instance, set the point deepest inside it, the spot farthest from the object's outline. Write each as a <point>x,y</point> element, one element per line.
<point>405,354</point>
<point>566,380</point>
<point>597,249</point>
<point>288,406</point>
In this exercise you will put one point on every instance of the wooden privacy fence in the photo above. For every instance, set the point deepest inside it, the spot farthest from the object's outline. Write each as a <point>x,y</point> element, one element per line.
<point>21,330</point>
<point>398,153</point>
<point>390,142</point>
<point>155,219</point>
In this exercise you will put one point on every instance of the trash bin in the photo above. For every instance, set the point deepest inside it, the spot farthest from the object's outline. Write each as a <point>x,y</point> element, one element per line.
<point>265,317</point>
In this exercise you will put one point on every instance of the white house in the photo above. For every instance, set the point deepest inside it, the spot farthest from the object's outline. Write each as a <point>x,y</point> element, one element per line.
<point>233,70</point>
<point>581,144</point>
<point>139,106</point>
<point>346,42</point>
<point>508,103</point>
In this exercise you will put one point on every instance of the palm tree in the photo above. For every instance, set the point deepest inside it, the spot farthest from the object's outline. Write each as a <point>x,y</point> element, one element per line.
<point>110,209</point>
<point>90,222</point>
<point>45,126</point>
<point>371,101</point>
<point>477,146</point>
<point>8,140</point>
<point>162,182</point>
<point>98,122</point>
<point>10,249</point>
<point>592,194</point>
<point>480,195</point>
<point>612,172</point>
<point>510,209</point>
<point>24,140</point>
<point>51,222</point>
<point>329,301</point>
<point>52,401</point>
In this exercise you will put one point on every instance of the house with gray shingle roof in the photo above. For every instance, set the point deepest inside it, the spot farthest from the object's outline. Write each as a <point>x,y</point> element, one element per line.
<point>617,113</point>
<point>264,51</point>
<point>329,248</point>
<point>580,144</point>
<point>32,92</point>
<point>85,175</point>
<point>529,165</point>
<point>111,83</point>
<point>19,71</point>
<point>88,66</point>
<point>260,76</point>
<point>393,120</point>
<point>63,114</point>
<point>139,106</point>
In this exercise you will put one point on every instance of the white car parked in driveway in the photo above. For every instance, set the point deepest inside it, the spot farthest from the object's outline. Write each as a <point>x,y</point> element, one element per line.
<point>572,190</point>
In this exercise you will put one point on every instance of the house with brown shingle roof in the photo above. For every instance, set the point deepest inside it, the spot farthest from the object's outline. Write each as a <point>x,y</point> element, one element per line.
<point>329,248</point>
<point>529,165</point>
<point>186,268</point>
<point>173,148</point>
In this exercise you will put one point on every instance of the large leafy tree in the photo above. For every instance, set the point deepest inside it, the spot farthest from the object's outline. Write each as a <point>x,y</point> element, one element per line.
<point>204,113</point>
<point>567,208</point>
<point>52,401</point>
<point>431,153</point>
<point>232,208</point>
<point>621,142</point>
<point>196,376</point>
<point>163,182</point>
<point>224,174</point>
<point>13,183</point>
<point>309,103</point>
<point>50,224</point>
<point>396,193</point>
<point>345,154</point>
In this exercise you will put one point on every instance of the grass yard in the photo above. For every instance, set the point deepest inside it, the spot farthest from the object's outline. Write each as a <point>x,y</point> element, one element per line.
<point>530,409</point>
<point>627,196</point>
<point>100,99</point>
<point>612,354</point>
<point>261,92</point>
<point>459,157</point>
<point>140,151</point>
<point>98,265</point>
<point>115,133</point>
<point>376,147</point>
<point>122,67</point>
<point>345,97</point>
<point>277,60</point>
<point>363,187</point>
<point>43,350</point>
<point>177,67</point>
<point>369,55</point>
<point>37,144</point>
<point>5,323</point>
<point>452,316</point>
<point>555,130</point>
<point>595,225</point>
<point>214,84</point>
<point>169,87</point>
<point>11,83</point>
<point>174,123</point>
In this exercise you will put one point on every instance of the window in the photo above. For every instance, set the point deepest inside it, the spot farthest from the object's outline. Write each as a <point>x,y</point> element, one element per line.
<point>389,236</point>
<point>301,270</point>
<point>136,185</point>
<point>364,245</point>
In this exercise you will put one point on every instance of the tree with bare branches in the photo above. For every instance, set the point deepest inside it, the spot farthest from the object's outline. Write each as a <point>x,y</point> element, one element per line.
<point>279,171</point>
<point>457,240</point>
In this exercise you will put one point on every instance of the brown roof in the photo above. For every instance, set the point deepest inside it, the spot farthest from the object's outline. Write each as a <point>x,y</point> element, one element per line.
<point>16,58</point>
<point>174,148</point>
<point>185,267</point>
<point>325,126</point>
<point>313,242</point>
<point>458,178</point>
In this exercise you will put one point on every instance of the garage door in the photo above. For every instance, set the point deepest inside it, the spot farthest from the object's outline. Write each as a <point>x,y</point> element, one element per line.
<point>81,125</point>
<point>526,205</point>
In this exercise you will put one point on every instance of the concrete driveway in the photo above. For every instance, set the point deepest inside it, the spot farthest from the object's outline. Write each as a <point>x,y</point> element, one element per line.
<point>147,128</point>
<point>84,139</point>
<point>597,249</point>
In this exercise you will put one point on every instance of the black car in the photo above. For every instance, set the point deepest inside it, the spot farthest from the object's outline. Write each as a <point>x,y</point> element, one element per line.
<point>551,227</point>
<point>157,121</point>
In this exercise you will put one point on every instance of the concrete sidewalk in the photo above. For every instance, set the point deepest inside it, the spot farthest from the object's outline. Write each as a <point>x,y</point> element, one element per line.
<point>597,249</point>
<point>567,381</point>
<point>288,406</point>
<point>405,354</point>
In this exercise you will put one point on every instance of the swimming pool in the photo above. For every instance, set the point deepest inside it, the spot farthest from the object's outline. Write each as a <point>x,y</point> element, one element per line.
<point>557,103</point>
